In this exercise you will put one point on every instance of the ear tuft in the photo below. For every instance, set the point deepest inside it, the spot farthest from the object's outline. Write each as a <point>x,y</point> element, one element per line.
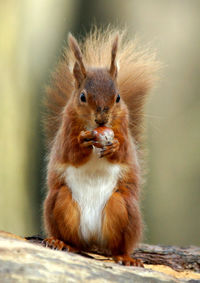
<point>113,65</point>
<point>77,52</point>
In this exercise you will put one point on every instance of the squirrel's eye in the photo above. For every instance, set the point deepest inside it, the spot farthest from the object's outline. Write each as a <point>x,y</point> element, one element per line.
<point>82,97</point>
<point>118,98</point>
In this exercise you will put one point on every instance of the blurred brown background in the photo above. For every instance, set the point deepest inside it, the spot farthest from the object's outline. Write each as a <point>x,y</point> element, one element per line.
<point>32,34</point>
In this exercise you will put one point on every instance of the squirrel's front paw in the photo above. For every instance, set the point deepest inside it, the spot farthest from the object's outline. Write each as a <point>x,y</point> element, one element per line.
<point>86,139</point>
<point>110,148</point>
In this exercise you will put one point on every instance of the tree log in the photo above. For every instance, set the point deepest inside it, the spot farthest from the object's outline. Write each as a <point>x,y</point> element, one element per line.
<point>178,258</point>
<point>26,260</point>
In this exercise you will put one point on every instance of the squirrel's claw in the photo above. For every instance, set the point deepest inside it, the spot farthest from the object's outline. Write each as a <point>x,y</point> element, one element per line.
<point>128,261</point>
<point>87,144</point>
<point>109,149</point>
<point>57,244</point>
<point>86,139</point>
<point>86,136</point>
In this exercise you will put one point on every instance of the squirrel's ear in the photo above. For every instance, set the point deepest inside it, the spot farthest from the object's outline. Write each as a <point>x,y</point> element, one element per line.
<point>113,65</point>
<point>78,55</point>
<point>78,74</point>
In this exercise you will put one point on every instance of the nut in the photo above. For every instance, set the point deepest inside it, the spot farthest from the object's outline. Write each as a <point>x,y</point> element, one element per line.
<point>103,135</point>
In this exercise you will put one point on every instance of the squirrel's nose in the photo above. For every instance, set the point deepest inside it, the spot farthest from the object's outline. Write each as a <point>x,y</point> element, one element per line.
<point>100,122</point>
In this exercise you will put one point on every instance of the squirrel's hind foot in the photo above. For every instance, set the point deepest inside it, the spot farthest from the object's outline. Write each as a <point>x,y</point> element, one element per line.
<point>59,245</point>
<point>128,261</point>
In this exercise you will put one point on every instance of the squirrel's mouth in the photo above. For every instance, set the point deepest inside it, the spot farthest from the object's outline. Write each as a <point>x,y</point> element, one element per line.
<point>101,121</point>
<point>92,124</point>
<point>95,125</point>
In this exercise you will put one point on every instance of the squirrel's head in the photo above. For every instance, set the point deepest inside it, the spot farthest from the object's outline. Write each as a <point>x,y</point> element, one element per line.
<point>96,96</point>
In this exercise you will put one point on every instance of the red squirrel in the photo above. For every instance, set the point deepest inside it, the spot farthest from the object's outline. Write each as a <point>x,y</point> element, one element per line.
<point>93,190</point>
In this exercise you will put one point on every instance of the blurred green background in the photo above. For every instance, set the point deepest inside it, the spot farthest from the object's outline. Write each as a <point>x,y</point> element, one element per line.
<point>32,34</point>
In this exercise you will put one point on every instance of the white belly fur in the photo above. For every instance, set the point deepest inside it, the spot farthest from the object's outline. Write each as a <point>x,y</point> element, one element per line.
<point>92,185</point>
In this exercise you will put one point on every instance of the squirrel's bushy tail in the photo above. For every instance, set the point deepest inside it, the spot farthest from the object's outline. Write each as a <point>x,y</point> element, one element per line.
<point>136,75</point>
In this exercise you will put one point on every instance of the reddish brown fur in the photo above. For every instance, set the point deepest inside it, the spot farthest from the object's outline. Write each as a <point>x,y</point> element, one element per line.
<point>136,77</point>
<point>60,224</point>
<point>70,139</point>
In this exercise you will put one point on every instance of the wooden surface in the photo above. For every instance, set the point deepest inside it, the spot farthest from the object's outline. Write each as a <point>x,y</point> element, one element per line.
<point>24,260</point>
<point>178,258</point>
